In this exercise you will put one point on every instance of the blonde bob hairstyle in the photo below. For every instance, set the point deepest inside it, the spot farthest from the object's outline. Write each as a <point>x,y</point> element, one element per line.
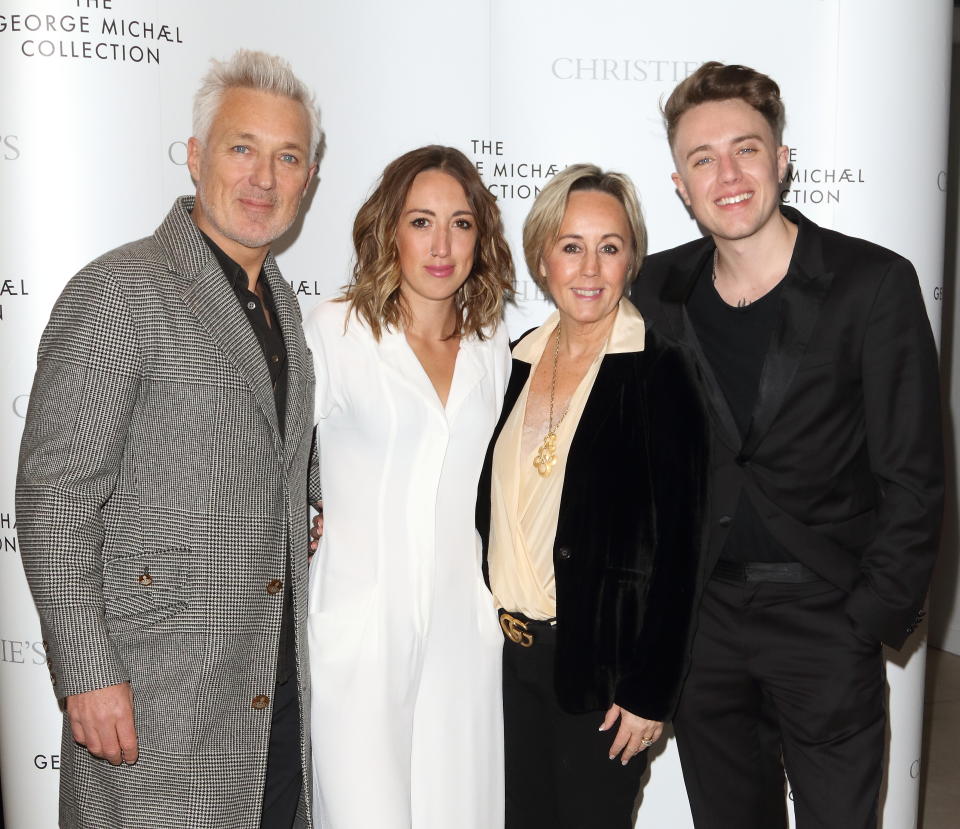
<point>542,226</point>
<point>374,291</point>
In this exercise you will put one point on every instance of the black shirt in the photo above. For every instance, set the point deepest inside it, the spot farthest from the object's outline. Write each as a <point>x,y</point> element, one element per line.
<point>735,341</point>
<point>270,337</point>
<point>274,351</point>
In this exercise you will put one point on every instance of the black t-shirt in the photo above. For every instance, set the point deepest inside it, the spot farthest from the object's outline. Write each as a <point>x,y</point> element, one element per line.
<point>735,341</point>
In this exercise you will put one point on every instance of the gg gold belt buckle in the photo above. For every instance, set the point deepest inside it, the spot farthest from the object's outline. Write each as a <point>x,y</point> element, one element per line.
<point>515,630</point>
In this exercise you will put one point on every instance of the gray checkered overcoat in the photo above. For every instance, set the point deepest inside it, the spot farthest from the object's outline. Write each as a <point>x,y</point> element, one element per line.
<point>156,500</point>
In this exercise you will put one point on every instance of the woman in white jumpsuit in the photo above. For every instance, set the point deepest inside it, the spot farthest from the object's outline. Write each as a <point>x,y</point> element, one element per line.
<point>405,646</point>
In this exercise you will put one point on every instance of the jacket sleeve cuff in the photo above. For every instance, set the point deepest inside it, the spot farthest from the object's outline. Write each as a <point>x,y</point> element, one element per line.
<point>890,625</point>
<point>80,655</point>
<point>634,693</point>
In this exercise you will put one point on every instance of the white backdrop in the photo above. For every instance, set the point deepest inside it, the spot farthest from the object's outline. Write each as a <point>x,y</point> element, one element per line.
<point>96,109</point>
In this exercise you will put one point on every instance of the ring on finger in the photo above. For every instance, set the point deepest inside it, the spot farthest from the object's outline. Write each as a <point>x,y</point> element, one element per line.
<point>646,743</point>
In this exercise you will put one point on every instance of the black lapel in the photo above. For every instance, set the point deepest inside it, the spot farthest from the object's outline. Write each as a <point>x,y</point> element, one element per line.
<point>614,392</point>
<point>804,289</point>
<point>519,373</point>
<point>518,376</point>
<point>720,410</point>
<point>605,398</point>
<point>681,277</point>
<point>676,292</point>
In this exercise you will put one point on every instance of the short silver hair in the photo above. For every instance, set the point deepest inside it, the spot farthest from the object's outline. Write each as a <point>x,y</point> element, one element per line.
<point>247,69</point>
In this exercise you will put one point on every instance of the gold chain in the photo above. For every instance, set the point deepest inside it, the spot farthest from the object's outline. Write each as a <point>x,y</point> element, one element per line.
<point>546,457</point>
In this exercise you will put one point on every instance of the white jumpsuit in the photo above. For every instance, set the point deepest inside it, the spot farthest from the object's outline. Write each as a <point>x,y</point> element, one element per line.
<point>405,647</point>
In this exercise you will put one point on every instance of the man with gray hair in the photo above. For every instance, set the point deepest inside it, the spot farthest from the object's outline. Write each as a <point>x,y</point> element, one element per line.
<point>162,489</point>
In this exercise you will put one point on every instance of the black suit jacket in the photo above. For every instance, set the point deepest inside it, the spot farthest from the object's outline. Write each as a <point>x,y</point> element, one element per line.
<point>843,459</point>
<point>630,531</point>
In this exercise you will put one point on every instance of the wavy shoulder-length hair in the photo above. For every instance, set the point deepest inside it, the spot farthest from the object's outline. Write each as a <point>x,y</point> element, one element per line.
<point>374,291</point>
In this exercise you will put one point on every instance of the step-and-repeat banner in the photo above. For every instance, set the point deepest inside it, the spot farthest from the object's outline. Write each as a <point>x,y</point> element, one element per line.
<point>95,114</point>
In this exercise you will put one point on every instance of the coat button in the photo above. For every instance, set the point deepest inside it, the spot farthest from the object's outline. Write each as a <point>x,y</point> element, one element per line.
<point>564,553</point>
<point>725,521</point>
<point>260,702</point>
<point>145,580</point>
<point>274,586</point>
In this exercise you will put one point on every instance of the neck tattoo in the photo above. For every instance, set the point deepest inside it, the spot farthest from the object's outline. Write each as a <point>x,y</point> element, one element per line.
<point>743,302</point>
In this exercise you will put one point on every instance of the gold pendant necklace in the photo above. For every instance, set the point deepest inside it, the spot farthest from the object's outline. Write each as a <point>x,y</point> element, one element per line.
<point>546,457</point>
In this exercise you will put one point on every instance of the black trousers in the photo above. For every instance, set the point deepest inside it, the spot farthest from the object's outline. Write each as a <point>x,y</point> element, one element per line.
<point>780,678</point>
<point>281,789</point>
<point>559,775</point>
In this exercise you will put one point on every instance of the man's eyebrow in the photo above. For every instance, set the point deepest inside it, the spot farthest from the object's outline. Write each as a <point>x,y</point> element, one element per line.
<point>249,136</point>
<point>750,136</point>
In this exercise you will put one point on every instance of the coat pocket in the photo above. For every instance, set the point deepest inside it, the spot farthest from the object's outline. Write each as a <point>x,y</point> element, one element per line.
<point>144,589</point>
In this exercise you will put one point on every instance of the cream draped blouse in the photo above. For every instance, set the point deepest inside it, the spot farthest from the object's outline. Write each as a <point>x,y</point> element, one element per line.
<point>525,507</point>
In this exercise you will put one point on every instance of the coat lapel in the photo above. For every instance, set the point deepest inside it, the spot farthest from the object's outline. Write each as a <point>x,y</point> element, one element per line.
<point>676,291</point>
<point>720,409</point>
<point>298,370</point>
<point>519,373</point>
<point>211,299</point>
<point>518,377</point>
<point>804,289</point>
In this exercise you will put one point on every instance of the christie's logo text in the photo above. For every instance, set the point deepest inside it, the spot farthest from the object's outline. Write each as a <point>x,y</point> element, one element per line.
<point>22,653</point>
<point>622,69</point>
<point>9,147</point>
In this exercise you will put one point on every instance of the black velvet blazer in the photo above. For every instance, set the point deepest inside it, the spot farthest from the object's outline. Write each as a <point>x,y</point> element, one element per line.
<point>630,530</point>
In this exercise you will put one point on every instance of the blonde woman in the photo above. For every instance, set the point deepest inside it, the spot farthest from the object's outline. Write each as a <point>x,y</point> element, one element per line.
<point>591,510</point>
<point>411,362</point>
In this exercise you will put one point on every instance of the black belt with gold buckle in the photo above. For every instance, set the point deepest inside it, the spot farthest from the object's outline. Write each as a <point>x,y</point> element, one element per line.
<point>523,631</point>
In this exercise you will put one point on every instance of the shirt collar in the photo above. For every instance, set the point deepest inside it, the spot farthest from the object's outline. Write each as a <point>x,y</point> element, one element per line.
<point>628,334</point>
<point>236,275</point>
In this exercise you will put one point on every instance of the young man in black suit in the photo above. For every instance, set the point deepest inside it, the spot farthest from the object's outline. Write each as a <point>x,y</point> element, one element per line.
<point>820,372</point>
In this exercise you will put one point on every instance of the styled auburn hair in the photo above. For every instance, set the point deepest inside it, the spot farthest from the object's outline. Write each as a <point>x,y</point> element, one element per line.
<point>542,226</point>
<point>374,291</point>
<point>715,81</point>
